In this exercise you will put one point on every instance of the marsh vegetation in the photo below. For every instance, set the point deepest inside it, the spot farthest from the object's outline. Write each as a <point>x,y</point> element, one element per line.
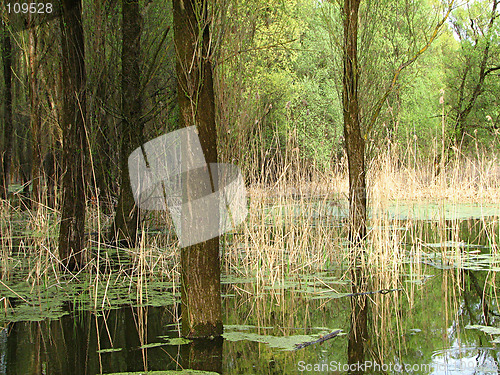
<point>368,142</point>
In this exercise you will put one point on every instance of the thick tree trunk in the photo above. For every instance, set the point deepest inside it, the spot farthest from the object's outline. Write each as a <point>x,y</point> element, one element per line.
<point>71,235</point>
<point>126,218</point>
<point>200,275</point>
<point>8,125</point>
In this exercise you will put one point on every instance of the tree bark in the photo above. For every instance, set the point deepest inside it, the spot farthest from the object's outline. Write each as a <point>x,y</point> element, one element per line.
<point>71,234</point>
<point>102,158</point>
<point>126,218</point>
<point>355,144</point>
<point>8,125</point>
<point>35,120</point>
<point>200,274</point>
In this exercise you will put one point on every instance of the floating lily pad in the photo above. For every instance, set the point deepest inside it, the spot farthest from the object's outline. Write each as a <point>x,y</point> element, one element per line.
<point>284,343</point>
<point>486,329</point>
<point>152,345</point>
<point>174,340</point>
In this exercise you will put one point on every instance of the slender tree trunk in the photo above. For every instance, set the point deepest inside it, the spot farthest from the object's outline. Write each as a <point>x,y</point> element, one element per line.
<point>71,235</point>
<point>355,146</point>
<point>200,274</point>
<point>355,143</point>
<point>102,158</point>
<point>8,125</point>
<point>126,218</point>
<point>35,120</point>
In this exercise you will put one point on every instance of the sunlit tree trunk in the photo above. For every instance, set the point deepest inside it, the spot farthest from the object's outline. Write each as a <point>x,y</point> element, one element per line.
<point>126,218</point>
<point>200,275</point>
<point>8,130</point>
<point>355,146</point>
<point>71,234</point>
<point>355,143</point>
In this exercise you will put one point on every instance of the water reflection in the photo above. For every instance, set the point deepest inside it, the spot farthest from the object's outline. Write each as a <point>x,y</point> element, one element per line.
<point>91,343</point>
<point>440,319</point>
<point>203,355</point>
<point>358,333</point>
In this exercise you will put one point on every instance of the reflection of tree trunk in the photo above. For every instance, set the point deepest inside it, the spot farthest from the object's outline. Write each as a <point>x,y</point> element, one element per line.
<point>8,134</point>
<point>203,355</point>
<point>71,233</point>
<point>37,363</point>
<point>24,348</point>
<point>358,334</point>
<point>35,121</point>
<point>480,293</point>
<point>126,218</point>
<point>200,275</point>
<point>67,346</point>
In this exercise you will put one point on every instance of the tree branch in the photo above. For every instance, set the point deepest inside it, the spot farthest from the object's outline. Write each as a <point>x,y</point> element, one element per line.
<point>378,106</point>
<point>488,71</point>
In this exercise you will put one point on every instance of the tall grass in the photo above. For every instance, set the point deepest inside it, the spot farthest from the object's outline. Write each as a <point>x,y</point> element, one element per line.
<point>296,223</point>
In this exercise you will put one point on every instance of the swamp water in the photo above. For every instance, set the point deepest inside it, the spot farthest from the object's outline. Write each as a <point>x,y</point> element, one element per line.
<point>441,315</point>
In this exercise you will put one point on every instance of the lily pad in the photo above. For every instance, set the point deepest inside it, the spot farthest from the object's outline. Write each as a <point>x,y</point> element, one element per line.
<point>284,343</point>
<point>174,340</point>
<point>486,329</point>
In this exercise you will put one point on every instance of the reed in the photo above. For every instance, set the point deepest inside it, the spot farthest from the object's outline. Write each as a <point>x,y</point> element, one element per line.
<point>296,225</point>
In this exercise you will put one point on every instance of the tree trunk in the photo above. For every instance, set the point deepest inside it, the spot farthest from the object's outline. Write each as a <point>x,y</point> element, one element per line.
<point>102,157</point>
<point>126,218</point>
<point>355,143</point>
<point>8,125</point>
<point>71,235</point>
<point>355,146</point>
<point>35,120</point>
<point>200,275</point>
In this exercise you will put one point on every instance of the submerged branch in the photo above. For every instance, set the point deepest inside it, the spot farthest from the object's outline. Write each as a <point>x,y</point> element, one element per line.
<point>331,335</point>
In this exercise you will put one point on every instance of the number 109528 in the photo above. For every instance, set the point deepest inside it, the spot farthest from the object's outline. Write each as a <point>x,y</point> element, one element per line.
<point>38,8</point>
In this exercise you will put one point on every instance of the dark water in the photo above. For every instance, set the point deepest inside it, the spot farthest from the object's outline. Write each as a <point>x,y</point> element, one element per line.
<point>442,320</point>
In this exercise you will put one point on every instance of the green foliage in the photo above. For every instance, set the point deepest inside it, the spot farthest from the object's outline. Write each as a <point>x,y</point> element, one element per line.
<point>284,62</point>
<point>467,77</point>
